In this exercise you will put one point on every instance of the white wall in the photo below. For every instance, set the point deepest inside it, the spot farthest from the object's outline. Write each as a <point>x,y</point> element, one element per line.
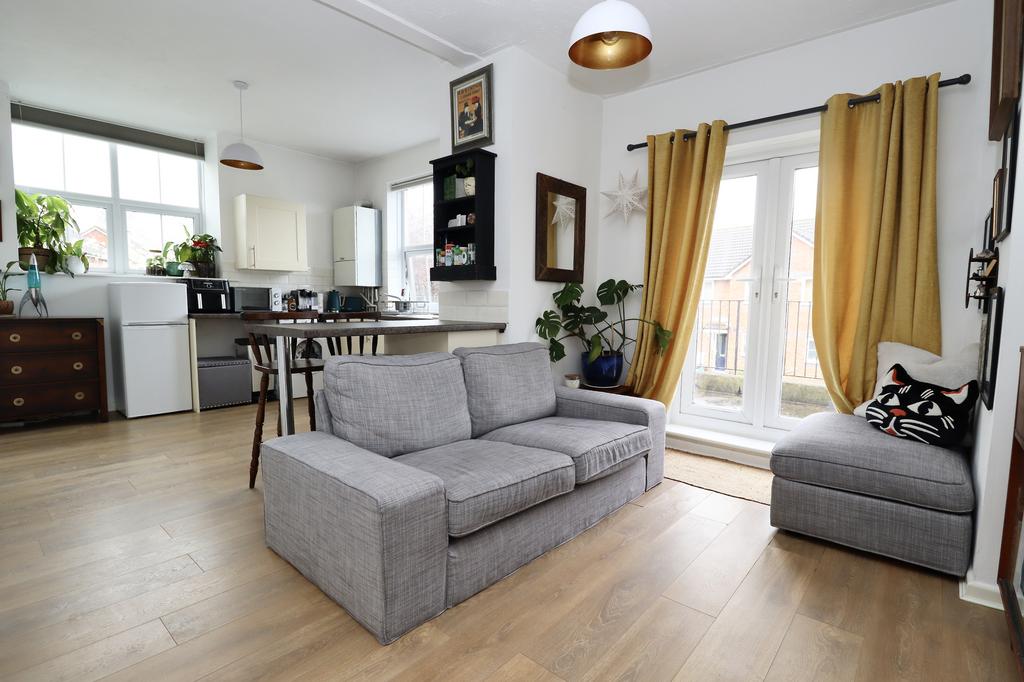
<point>952,38</point>
<point>320,184</point>
<point>542,124</point>
<point>373,179</point>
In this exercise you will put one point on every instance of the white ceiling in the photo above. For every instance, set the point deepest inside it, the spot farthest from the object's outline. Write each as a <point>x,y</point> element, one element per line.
<point>321,81</point>
<point>689,35</point>
<point>352,79</point>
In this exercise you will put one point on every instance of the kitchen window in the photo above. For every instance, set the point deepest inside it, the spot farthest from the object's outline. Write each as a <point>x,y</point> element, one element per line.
<point>414,203</point>
<point>128,200</point>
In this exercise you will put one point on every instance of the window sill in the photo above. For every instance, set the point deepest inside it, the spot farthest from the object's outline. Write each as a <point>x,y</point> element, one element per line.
<point>741,449</point>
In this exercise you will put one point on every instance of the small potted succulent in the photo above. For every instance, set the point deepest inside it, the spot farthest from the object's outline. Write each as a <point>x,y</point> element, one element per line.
<point>603,340</point>
<point>6,304</point>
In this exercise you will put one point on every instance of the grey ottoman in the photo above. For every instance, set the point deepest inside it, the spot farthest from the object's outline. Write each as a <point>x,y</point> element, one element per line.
<point>840,479</point>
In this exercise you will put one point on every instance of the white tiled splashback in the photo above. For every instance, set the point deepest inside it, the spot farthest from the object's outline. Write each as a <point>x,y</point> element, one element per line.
<point>464,305</point>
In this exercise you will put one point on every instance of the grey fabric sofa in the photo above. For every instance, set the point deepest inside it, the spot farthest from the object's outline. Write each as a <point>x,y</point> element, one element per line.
<point>433,476</point>
<point>838,478</point>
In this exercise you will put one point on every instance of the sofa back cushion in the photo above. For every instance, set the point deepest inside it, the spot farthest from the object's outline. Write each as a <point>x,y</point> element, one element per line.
<point>396,404</point>
<point>507,384</point>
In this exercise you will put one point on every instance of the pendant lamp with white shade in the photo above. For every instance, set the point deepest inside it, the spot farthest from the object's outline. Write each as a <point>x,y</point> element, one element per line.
<point>610,35</point>
<point>240,155</point>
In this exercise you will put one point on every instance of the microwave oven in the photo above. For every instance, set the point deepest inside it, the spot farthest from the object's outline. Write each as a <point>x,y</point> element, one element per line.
<point>256,298</point>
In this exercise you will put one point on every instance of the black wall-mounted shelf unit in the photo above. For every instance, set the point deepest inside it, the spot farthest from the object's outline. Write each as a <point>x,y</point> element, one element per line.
<point>481,204</point>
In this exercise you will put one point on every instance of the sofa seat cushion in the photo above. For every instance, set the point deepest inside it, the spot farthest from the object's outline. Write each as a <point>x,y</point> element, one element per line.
<point>595,446</point>
<point>507,384</point>
<point>486,481</point>
<point>844,452</point>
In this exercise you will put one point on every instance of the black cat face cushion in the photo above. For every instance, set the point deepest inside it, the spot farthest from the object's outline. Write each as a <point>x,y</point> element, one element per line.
<point>925,412</point>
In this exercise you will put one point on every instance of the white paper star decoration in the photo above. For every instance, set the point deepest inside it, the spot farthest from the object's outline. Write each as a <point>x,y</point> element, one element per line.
<point>565,211</point>
<point>627,198</point>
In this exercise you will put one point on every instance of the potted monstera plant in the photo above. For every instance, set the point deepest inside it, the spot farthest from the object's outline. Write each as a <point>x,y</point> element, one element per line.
<point>603,339</point>
<point>43,224</point>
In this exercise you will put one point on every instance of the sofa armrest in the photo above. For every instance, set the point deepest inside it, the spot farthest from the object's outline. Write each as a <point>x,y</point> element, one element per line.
<point>367,530</point>
<point>575,402</point>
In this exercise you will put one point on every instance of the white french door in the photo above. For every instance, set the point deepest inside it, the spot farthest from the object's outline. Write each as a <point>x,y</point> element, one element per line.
<point>752,365</point>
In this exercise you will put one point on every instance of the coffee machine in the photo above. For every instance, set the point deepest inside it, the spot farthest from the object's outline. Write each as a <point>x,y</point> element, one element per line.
<point>306,299</point>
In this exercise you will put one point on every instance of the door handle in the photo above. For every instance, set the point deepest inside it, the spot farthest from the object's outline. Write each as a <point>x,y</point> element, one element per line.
<point>253,256</point>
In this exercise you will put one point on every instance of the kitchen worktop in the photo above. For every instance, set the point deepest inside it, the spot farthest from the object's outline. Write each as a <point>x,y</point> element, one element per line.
<point>315,330</point>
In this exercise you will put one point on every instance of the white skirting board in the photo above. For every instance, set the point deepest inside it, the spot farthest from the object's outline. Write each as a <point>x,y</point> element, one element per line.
<point>977,592</point>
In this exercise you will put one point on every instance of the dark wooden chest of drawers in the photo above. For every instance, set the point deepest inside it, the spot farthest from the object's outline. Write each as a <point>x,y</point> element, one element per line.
<point>52,366</point>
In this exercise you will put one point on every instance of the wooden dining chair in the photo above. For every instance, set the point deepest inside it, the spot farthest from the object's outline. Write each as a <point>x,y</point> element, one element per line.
<point>261,347</point>
<point>334,343</point>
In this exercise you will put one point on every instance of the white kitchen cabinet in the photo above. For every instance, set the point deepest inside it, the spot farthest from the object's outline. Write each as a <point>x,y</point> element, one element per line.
<point>270,234</point>
<point>357,247</point>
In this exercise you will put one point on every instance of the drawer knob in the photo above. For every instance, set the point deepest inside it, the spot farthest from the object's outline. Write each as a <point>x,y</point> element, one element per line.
<point>18,402</point>
<point>79,396</point>
<point>77,366</point>
<point>16,369</point>
<point>77,336</point>
<point>15,338</point>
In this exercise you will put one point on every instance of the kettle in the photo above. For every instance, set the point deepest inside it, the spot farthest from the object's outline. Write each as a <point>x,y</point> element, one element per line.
<point>333,301</point>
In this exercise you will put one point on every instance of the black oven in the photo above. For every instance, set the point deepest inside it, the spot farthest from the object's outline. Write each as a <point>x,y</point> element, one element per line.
<point>208,296</point>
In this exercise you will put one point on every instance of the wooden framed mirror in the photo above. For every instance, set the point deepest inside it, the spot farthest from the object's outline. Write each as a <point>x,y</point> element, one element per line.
<point>561,229</point>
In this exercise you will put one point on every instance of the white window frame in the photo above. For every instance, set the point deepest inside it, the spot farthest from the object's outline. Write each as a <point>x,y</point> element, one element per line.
<point>404,250</point>
<point>759,415</point>
<point>117,208</point>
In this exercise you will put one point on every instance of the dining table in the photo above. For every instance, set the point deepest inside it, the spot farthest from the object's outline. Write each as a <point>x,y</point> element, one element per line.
<point>283,333</point>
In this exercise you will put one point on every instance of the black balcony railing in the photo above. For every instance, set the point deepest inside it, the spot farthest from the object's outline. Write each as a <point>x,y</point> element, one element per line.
<point>721,345</point>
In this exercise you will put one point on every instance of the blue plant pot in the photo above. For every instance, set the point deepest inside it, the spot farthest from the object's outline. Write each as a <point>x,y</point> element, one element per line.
<point>606,370</point>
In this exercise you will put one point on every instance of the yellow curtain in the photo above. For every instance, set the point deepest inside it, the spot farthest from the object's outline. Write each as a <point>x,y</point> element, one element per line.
<point>683,178</point>
<point>875,262</point>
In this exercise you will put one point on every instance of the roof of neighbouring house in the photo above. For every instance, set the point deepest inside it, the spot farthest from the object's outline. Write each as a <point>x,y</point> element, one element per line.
<point>733,246</point>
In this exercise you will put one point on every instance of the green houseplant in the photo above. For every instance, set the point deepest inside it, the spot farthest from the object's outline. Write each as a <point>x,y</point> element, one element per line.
<point>603,340</point>
<point>203,250</point>
<point>6,304</point>
<point>43,224</point>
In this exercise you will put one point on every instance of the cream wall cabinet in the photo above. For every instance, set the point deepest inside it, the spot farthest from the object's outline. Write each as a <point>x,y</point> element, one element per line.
<point>357,247</point>
<point>270,234</point>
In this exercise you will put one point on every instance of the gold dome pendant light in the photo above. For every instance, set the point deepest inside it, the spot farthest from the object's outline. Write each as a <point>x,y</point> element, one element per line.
<point>610,35</point>
<point>239,154</point>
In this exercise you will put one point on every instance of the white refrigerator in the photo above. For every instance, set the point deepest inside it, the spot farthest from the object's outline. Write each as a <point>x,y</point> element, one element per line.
<point>150,349</point>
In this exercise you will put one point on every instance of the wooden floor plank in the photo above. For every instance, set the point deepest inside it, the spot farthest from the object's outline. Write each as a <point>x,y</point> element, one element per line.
<point>816,651</point>
<point>712,578</point>
<point>519,668</point>
<point>743,641</point>
<point>655,646</point>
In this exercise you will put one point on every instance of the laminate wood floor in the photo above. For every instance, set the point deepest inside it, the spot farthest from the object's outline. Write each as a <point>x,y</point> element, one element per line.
<point>134,550</point>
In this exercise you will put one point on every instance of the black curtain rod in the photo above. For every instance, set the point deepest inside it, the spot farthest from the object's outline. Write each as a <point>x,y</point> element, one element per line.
<point>959,80</point>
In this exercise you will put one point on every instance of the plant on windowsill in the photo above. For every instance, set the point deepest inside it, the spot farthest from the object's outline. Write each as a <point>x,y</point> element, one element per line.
<point>156,265</point>
<point>43,223</point>
<point>6,304</point>
<point>203,256</point>
<point>603,340</point>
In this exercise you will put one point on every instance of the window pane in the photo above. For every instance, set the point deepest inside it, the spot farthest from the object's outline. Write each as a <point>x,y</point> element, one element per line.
<point>138,173</point>
<point>179,180</point>
<point>38,157</point>
<point>418,216</point>
<point>720,331</point>
<point>93,229</point>
<point>803,391</point>
<point>86,165</point>
<point>148,232</point>
<point>418,268</point>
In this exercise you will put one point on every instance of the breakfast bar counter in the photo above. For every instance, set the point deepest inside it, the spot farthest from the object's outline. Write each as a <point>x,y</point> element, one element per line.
<point>402,337</point>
